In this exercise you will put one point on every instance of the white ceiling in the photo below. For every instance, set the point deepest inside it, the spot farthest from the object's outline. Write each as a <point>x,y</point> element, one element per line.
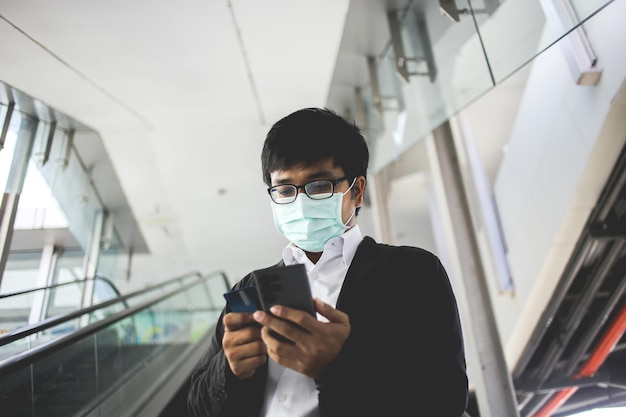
<point>182,94</point>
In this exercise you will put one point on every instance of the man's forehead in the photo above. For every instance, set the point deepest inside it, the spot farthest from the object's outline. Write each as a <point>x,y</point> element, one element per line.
<point>300,171</point>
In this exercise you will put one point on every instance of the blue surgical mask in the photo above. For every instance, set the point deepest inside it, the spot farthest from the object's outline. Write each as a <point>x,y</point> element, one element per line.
<point>309,223</point>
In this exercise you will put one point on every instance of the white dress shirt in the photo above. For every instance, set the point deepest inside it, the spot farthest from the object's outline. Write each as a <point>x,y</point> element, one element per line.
<point>289,393</point>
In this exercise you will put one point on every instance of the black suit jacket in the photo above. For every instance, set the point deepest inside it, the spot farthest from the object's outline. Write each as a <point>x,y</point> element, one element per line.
<point>404,355</point>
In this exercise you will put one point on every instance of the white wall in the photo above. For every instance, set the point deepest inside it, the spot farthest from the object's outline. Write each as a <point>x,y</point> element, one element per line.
<point>550,177</point>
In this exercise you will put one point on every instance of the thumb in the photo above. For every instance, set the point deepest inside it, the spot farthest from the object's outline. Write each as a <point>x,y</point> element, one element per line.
<point>332,314</point>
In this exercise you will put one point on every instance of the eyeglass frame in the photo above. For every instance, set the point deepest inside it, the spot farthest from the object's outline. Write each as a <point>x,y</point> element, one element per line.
<point>333,184</point>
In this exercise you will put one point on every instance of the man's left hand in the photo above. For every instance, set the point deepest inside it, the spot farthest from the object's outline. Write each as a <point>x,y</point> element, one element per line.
<point>316,343</point>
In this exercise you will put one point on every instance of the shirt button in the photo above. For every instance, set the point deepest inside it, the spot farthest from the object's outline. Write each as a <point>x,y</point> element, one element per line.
<point>282,398</point>
<point>313,275</point>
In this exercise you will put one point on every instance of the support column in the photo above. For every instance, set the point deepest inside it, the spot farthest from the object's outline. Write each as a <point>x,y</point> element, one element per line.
<point>378,185</point>
<point>494,376</point>
<point>92,255</point>
<point>45,277</point>
<point>13,189</point>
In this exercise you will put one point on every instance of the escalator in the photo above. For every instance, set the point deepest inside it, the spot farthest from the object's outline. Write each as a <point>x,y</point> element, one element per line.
<point>129,355</point>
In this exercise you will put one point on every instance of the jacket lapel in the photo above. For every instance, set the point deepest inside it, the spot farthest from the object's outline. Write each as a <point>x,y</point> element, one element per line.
<point>368,260</point>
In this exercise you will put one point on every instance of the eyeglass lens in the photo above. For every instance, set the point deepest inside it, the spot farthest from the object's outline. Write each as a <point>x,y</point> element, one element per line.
<point>316,190</point>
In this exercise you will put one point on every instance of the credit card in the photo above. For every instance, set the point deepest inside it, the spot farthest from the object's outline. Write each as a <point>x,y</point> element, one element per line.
<point>243,300</point>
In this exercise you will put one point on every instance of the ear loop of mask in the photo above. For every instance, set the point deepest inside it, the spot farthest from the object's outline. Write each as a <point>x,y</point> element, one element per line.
<point>353,211</point>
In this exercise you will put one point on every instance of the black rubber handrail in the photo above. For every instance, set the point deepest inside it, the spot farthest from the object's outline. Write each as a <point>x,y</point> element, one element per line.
<point>60,284</point>
<point>56,320</point>
<point>24,358</point>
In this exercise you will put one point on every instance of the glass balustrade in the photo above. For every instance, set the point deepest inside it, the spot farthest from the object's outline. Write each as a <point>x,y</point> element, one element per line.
<point>119,363</point>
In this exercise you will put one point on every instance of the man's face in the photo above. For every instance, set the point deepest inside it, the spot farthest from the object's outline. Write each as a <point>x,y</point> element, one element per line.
<point>300,175</point>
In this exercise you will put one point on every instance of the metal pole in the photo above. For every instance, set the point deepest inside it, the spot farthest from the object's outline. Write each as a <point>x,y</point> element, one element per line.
<point>496,379</point>
<point>92,256</point>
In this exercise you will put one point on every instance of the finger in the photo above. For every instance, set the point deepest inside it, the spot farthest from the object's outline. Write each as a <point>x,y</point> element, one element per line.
<point>260,317</point>
<point>235,321</point>
<point>267,320</point>
<point>331,313</point>
<point>276,341</point>
<point>238,352</point>
<point>275,328</point>
<point>246,369</point>
<point>243,361</point>
<point>299,317</point>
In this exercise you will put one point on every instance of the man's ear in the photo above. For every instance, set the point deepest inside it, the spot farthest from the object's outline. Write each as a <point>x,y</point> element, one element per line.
<point>359,194</point>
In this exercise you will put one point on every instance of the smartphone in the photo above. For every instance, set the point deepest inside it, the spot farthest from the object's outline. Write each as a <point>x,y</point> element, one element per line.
<point>287,285</point>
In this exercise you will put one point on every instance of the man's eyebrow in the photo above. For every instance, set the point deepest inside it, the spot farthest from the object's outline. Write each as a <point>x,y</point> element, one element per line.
<point>282,181</point>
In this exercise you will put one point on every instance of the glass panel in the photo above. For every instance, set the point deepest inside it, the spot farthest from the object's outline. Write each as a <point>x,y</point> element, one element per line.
<point>515,31</point>
<point>15,347</point>
<point>64,299</point>
<point>206,303</point>
<point>20,274</point>
<point>16,388</point>
<point>6,154</point>
<point>511,34</point>
<point>145,327</point>
<point>59,330</point>
<point>38,209</point>
<point>213,290</point>
<point>65,382</point>
<point>449,71</point>
<point>131,357</point>
<point>104,312</point>
<point>113,263</point>
<point>69,266</point>
<point>455,61</point>
<point>584,9</point>
<point>15,310</point>
<point>68,181</point>
<point>104,290</point>
<point>118,353</point>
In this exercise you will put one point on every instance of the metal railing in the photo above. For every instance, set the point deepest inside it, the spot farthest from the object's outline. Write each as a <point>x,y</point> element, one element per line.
<point>129,344</point>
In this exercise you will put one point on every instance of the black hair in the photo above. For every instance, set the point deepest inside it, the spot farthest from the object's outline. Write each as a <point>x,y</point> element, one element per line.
<point>312,134</point>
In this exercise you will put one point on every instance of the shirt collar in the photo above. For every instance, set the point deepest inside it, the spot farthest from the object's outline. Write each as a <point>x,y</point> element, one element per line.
<point>346,244</point>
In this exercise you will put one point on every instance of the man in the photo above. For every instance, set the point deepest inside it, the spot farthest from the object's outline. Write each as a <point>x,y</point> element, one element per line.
<point>387,340</point>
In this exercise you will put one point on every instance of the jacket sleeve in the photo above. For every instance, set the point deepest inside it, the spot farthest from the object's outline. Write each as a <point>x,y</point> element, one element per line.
<point>215,391</point>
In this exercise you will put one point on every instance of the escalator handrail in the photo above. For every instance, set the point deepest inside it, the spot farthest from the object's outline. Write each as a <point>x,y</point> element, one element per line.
<point>61,284</point>
<point>56,320</point>
<point>13,362</point>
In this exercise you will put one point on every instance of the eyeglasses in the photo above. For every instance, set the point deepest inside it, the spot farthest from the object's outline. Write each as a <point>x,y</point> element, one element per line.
<point>316,190</point>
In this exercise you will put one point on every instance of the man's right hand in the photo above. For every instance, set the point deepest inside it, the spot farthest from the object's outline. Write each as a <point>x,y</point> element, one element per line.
<point>243,345</point>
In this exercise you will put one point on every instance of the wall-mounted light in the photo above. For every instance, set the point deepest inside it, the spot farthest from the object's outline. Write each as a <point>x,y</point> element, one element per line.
<point>449,9</point>
<point>379,101</point>
<point>407,66</point>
